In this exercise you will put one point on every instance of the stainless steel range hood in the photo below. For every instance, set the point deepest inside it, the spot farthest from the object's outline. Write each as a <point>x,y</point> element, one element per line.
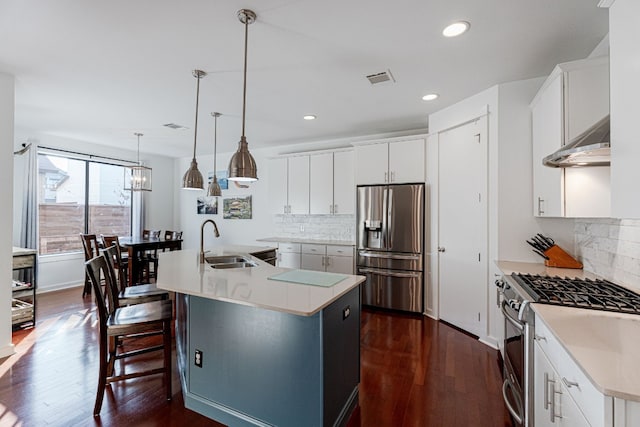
<point>591,148</point>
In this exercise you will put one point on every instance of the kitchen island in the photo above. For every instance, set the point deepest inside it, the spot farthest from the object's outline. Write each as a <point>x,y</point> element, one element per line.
<point>253,351</point>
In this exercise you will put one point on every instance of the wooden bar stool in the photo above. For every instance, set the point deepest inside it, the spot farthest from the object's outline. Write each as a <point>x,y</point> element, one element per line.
<point>127,323</point>
<point>128,295</point>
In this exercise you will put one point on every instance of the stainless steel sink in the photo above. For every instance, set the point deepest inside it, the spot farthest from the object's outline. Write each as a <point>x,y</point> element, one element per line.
<point>229,261</point>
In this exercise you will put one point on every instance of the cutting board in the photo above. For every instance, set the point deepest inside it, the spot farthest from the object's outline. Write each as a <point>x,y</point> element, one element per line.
<point>308,277</point>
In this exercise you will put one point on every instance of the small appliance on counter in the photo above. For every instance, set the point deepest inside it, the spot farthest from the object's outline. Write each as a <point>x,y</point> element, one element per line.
<point>554,255</point>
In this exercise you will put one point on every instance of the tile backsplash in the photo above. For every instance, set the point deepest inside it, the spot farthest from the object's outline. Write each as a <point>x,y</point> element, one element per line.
<point>610,248</point>
<point>321,227</point>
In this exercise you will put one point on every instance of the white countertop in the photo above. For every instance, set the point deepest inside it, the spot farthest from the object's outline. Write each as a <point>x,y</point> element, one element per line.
<point>310,241</point>
<point>181,271</point>
<point>603,344</point>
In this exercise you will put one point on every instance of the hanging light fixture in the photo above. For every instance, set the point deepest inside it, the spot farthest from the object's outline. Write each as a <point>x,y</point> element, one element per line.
<point>242,166</point>
<point>192,179</point>
<point>138,177</point>
<point>214,188</point>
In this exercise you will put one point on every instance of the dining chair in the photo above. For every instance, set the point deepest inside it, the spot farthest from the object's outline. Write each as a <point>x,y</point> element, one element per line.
<point>110,240</point>
<point>129,324</point>
<point>150,258</point>
<point>172,235</point>
<point>91,249</point>
<point>126,294</point>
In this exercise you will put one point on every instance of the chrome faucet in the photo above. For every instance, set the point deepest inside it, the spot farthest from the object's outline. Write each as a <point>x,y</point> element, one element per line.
<point>215,233</point>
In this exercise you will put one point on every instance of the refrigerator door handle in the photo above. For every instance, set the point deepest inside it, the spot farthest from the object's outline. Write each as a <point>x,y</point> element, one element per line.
<point>388,256</point>
<point>389,273</point>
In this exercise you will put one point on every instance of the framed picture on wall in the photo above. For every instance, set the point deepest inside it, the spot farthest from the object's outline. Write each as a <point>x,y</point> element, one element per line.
<point>223,179</point>
<point>207,205</point>
<point>237,207</point>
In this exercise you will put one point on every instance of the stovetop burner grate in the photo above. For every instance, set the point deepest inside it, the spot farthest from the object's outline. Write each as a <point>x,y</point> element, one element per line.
<point>596,294</point>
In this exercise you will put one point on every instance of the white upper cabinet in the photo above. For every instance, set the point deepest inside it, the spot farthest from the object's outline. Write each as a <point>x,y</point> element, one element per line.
<point>331,183</point>
<point>321,183</point>
<point>391,162</point>
<point>344,186</point>
<point>298,185</point>
<point>573,98</point>
<point>624,33</point>
<point>289,185</point>
<point>278,200</point>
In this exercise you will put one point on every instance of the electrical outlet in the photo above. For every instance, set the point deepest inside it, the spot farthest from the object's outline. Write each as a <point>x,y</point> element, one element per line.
<point>301,227</point>
<point>346,312</point>
<point>198,358</point>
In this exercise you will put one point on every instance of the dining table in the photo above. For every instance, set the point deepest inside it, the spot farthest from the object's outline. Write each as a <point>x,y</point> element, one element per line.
<point>137,246</point>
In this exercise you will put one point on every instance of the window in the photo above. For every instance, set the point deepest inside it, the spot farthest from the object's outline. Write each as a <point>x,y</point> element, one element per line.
<point>79,196</point>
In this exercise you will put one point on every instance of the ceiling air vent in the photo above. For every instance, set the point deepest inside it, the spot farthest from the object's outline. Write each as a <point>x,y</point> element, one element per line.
<point>174,126</point>
<point>382,77</point>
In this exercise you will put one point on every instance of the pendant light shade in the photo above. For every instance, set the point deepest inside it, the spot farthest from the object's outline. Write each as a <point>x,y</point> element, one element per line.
<point>192,179</point>
<point>214,188</point>
<point>138,177</point>
<point>242,166</point>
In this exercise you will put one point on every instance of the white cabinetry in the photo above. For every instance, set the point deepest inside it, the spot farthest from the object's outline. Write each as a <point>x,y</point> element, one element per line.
<point>574,97</point>
<point>289,185</point>
<point>331,258</point>
<point>399,161</point>
<point>562,387</point>
<point>624,33</point>
<point>331,183</point>
<point>554,405</point>
<point>288,255</point>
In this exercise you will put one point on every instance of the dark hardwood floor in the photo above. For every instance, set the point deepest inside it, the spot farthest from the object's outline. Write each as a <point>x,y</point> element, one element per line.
<point>415,372</point>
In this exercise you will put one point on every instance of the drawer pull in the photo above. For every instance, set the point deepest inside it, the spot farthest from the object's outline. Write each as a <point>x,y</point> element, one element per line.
<point>539,338</point>
<point>570,384</point>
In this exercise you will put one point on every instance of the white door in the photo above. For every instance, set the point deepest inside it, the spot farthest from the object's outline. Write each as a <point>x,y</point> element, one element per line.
<point>299,185</point>
<point>344,186</point>
<point>321,184</point>
<point>463,226</point>
<point>406,161</point>
<point>372,164</point>
<point>278,186</point>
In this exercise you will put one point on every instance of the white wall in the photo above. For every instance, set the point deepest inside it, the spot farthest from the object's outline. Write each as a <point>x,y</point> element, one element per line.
<point>6,176</point>
<point>61,271</point>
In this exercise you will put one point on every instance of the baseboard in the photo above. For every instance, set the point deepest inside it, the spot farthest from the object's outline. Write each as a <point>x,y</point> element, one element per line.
<point>59,287</point>
<point>7,351</point>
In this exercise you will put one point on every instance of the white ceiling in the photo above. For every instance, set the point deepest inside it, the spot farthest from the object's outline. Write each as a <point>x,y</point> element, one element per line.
<point>98,71</point>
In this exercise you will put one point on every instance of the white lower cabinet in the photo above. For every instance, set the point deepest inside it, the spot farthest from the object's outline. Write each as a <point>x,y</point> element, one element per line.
<point>563,394</point>
<point>553,405</point>
<point>331,258</point>
<point>288,255</point>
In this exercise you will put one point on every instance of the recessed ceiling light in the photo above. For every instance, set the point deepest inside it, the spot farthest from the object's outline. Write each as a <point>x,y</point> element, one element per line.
<point>456,29</point>
<point>430,97</point>
<point>309,117</point>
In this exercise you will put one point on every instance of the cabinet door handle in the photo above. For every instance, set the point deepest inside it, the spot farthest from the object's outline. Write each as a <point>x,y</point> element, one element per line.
<point>546,390</point>
<point>335,209</point>
<point>540,202</point>
<point>552,405</point>
<point>570,384</point>
<point>393,176</point>
<point>386,177</point>
<point>539,338</point>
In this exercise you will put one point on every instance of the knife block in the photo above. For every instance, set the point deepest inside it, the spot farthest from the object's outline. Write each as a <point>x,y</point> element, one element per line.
<point>559,258</point>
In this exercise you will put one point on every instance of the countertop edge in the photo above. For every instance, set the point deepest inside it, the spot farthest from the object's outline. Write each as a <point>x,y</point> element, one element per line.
<point>308,241</point>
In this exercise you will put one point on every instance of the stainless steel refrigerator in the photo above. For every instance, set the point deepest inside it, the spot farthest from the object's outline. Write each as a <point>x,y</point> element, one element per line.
<point>391,245</point>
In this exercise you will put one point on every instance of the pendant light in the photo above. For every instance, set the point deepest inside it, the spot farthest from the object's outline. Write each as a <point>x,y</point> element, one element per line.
<point>214,188</point>
<point>138,177</point>
<point>242,166</point>
<point>192,179</point>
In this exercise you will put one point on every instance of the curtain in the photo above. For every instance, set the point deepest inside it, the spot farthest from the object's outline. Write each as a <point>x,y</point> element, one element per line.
<point>29,211</point>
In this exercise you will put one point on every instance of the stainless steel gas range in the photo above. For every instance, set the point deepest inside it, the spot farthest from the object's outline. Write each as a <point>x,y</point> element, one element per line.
<point>518,292</point>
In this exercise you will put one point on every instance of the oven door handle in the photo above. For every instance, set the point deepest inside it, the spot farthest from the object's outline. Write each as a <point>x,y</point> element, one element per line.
<point>515,322</point>
<point>389,273</point>
<point>517,417</point>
